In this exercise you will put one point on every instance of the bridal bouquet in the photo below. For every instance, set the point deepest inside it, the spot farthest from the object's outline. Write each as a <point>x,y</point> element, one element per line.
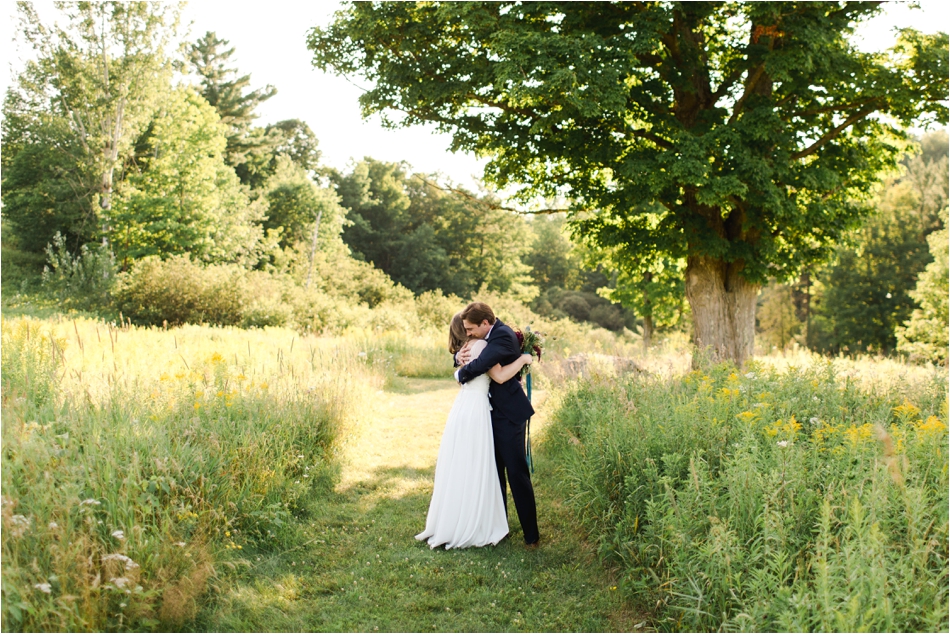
<point>531,343</point>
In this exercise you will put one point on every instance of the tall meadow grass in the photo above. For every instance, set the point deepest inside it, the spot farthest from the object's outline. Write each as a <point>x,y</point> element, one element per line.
<point>781,498</point>
<point>137,461</point>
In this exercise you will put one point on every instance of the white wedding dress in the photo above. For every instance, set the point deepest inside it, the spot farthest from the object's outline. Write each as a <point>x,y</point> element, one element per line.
<point>466,508</point>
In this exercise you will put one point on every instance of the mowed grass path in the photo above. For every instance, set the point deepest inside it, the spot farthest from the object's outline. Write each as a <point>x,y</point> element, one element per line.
<point>357,566</point>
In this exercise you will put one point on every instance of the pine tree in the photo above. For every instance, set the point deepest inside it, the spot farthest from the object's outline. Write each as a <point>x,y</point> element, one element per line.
<point>248,146</point>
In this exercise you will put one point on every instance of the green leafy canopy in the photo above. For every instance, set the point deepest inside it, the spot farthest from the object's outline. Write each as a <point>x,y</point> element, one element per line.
<point>757,127</point>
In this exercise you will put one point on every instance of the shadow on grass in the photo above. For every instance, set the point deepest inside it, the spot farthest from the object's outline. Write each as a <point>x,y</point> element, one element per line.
<point>359,567</point>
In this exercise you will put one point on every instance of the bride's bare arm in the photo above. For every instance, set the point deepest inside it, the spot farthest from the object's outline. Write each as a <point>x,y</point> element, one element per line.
<point>501,373</point>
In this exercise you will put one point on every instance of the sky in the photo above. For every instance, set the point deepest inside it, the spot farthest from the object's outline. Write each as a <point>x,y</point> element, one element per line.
<point>270,42</point>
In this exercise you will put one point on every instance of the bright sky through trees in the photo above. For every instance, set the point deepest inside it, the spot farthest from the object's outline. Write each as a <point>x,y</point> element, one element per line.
<point>270,42</point>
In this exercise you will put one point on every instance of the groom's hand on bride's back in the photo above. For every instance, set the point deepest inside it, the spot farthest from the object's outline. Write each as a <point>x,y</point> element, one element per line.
<point>463,356</point>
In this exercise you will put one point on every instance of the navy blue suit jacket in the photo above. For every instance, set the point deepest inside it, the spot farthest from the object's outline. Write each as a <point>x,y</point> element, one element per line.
<point>508,399</point>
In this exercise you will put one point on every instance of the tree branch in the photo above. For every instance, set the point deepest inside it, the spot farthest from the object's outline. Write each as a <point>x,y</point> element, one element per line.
<point>485,203</point>
<point>754,77</point>
<point>835,108</point>
<point>832,134</point>
<point>660,141</point>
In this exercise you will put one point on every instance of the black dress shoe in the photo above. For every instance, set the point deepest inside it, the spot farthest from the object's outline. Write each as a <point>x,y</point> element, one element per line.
<point>533,545</point>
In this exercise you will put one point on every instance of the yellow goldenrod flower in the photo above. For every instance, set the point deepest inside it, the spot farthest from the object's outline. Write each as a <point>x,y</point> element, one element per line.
<point>932,425</point>
<point>906,411</point>
<point>748,417</point>
<point>858,435</point>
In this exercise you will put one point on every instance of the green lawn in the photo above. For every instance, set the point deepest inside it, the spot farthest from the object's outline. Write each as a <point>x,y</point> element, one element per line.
<point>358,567</point>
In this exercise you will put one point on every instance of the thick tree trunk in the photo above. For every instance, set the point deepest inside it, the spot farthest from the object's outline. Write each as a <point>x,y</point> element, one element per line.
<point>723,305</point>
<point>647,333</point>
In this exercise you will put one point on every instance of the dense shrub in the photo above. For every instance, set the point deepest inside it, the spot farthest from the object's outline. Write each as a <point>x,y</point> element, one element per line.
<point>583,306</point>
<point>357,282</point>
<point>181,291</point>
<point>767,501</point>
<point>84,279</point>
<point>435,310</point>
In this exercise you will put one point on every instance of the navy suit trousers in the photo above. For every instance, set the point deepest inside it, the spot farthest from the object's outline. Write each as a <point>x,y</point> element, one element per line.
<point>512,466</point>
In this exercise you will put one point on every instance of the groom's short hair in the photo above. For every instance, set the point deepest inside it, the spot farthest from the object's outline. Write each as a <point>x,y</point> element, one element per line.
<point>477,312</point>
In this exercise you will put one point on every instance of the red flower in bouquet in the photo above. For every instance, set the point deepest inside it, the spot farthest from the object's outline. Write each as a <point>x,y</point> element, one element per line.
<point>531,342</point>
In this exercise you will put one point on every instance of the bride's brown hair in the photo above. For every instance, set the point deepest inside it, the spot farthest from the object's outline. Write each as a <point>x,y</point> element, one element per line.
<point>457,335</point>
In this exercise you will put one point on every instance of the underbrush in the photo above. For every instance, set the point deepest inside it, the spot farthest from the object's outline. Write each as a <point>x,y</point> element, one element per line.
<point>807,498</point>
<point>138,461</point>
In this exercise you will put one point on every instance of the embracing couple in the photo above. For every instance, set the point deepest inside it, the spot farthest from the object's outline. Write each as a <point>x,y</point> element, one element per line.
<point>483,446</point>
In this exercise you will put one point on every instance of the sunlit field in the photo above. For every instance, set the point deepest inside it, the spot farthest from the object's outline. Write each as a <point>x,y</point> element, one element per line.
<point>135,458</point>
<point>153,479</point>
<point>798,494</point>
<point>174,479</point>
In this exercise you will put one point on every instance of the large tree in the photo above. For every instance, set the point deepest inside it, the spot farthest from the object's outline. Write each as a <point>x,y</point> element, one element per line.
<point>87,93</point>
<point>180,196</point>
<point>757,126</point>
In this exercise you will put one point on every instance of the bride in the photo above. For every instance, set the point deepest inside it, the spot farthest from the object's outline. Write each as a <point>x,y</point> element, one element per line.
<point>466,507</point>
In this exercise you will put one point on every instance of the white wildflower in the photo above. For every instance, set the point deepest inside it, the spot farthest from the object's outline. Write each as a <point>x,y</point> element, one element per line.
<point>181,544</point>
<point>815,398</point>
<point>90,502</point>
<point>129,564</point>
<point>43,587</point>
<point>53,525</point>
<point>750,376</point>
<point>19,525</point>
<point>814,420</point>
<point>120,582</point>
<point>118,534</point>
<point>782,443</point>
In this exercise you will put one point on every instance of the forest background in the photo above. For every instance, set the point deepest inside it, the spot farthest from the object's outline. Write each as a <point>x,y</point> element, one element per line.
<point>93,228</point>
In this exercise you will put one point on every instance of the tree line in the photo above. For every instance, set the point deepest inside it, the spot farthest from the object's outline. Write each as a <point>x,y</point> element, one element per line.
<point>703,153</point>
<point>126,151</point>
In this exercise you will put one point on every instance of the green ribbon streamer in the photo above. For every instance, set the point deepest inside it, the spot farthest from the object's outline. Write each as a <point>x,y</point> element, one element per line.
<point>527,452</point>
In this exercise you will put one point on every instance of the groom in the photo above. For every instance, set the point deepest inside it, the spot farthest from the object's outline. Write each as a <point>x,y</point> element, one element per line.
<point>510,412</point>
